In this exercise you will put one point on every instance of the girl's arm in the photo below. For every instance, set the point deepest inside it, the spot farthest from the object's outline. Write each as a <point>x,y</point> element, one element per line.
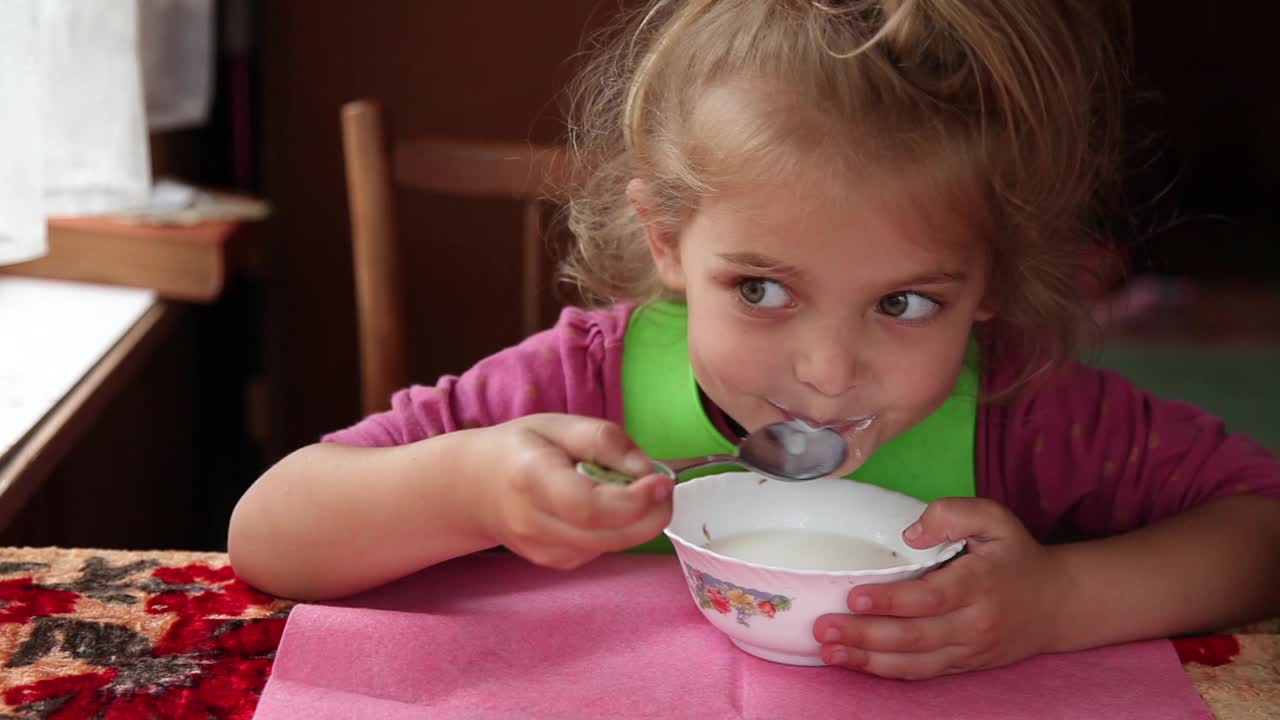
<point>1186,516</point>
<point>1009,597</point>
<point>433,477</point>
<point>1206,569</point>
<point>330,520</point>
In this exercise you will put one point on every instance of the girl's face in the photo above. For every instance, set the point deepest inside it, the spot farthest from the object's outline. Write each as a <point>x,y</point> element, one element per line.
<point>832,307</point>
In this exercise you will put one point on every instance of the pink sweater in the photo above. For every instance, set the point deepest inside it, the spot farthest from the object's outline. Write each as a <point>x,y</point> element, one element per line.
<point>1084,453</point>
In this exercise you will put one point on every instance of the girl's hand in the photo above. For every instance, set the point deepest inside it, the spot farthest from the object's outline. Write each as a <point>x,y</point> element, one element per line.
<point>993,605</point>
<point>541,508</point>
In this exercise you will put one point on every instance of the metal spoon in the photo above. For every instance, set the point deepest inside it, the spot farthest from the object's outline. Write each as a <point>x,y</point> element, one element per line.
<point>789,451</point>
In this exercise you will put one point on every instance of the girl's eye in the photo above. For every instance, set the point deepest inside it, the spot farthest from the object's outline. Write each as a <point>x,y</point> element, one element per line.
<point>763,293</point>
<point>907,306</point>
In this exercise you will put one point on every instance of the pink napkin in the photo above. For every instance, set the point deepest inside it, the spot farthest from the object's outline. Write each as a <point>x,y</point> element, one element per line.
<point>492,636</point>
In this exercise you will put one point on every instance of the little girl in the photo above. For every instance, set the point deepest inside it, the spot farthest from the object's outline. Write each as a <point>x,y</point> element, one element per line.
<point>864,214</point>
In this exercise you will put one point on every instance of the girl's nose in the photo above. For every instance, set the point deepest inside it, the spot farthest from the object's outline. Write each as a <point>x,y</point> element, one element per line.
<point>829,365</point>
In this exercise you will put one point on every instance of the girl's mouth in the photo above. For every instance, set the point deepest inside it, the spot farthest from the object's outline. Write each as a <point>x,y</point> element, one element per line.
<point>840,425</point>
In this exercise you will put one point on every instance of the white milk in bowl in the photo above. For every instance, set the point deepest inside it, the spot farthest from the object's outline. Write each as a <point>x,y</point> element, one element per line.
<point>805,549</point>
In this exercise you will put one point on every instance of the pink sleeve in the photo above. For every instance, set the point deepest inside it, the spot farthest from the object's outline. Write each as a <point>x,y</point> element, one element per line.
<point>1090,453</point>
<point>574,367</point>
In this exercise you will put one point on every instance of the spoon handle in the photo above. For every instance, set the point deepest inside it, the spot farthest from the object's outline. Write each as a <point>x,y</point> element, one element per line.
<point>689,463</point>
<point>602,474</point>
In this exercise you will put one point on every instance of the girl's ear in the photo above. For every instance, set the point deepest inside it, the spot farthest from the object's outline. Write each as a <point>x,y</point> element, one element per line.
<point>664,246</point>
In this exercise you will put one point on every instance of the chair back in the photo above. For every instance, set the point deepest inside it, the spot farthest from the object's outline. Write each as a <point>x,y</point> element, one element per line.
<point>374,170</point>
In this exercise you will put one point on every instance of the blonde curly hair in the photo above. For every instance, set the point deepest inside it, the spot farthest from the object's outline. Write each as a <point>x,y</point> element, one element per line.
<point>1009,108</point>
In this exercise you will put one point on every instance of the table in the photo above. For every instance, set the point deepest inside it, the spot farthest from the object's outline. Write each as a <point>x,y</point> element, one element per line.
<point>177,634</point>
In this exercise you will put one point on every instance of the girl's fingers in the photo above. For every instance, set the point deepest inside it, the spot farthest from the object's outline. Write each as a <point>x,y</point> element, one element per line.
<point>594,440</point>
<point>898,666</point>
<point>644,528</point>
<point>937,593</point>
<point>584,503</point>
<point>889,634</point>
<point>555,543</point>
<point>955,518</point>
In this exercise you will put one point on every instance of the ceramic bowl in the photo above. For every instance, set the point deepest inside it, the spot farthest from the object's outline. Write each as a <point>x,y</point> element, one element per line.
<point>794,535</point>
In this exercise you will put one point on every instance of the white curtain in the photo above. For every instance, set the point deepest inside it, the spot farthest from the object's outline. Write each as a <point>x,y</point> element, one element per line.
<point>21,173</point>
<point>73,112</point>
<point>176,37</point>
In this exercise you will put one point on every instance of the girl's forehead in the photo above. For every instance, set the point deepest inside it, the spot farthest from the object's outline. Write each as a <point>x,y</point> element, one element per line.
<point>774,163</point>
<point>815,201</point>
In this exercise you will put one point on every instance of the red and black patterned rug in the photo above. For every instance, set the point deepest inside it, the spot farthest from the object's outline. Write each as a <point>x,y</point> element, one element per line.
<point>124,635</point>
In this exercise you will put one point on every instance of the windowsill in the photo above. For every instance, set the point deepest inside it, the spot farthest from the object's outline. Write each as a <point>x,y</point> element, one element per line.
<point>75,345</point>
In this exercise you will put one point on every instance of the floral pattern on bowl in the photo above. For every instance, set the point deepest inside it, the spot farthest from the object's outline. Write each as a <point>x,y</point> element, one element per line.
<point>723,597</point>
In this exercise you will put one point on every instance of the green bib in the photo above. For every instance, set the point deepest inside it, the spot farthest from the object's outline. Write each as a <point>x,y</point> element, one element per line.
<point>663,413</point>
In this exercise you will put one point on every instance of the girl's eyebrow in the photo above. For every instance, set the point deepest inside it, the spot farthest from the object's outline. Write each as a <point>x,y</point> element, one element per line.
<point>756,262</point>
<point>934,278</point>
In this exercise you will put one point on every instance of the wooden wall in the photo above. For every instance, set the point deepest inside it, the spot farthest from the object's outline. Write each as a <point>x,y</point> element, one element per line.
<point>487,71</point>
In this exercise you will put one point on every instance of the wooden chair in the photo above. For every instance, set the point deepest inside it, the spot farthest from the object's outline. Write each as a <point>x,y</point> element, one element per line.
<point>374,168</point>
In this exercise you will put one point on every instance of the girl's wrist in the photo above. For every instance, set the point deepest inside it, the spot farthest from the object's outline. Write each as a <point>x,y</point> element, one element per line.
<point>447,470</point>
<point>1063,617</point>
